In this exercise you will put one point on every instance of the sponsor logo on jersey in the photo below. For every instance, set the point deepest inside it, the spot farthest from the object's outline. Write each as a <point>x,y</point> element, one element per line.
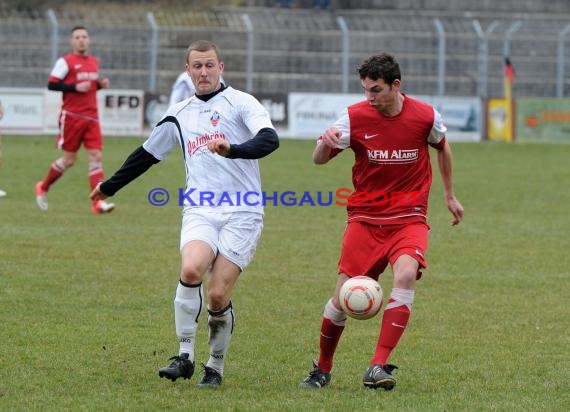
<point>83,76</point>
<point>195,145</point>
<point>215,119</point>
<point>393,156</point>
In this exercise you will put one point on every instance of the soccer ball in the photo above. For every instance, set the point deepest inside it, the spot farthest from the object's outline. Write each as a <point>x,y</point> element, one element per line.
<point>360,297</point>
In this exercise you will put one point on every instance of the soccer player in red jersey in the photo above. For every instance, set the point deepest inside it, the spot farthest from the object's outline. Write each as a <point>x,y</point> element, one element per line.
<point>390,134</point>
<point>76,75</point>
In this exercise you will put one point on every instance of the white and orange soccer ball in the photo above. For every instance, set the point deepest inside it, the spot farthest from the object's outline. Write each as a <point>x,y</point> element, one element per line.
<point>360,297</point>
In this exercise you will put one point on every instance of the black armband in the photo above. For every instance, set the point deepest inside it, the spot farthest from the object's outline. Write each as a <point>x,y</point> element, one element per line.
<point>61,87</point>
<point>263,143</point>
<point>136,164</point>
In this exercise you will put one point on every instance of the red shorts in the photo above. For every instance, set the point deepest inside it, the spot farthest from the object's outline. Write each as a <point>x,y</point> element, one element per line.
<point>367,249</point>
<point>76,129</point>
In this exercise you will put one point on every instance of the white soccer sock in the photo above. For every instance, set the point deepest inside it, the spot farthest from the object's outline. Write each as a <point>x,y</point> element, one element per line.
<point>337,317</point>
<point>401,296</point>
<point>187,308</point>
<point>59,165</point>
<point>220,328</point>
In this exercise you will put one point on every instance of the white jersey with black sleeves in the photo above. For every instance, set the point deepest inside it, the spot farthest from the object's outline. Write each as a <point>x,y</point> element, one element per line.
<point>227,185</point>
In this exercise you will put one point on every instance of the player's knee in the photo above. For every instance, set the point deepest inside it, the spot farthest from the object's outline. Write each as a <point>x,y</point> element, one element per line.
<point>66,162</point>
<point>405,271</point>
<point>217,300</point>
<point>190,274</point>
<point>405,278</point>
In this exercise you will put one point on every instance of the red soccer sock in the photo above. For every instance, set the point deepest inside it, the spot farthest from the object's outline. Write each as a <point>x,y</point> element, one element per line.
<point>95,177</point>
<point>330,335</point>
<point>394,323</point>
<point>54,173</point>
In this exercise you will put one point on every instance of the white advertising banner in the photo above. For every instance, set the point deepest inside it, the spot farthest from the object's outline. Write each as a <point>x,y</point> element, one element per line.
<point>312,113</point>
<point>121,112</point>
<point>23,110</point>
<point>463,116</point>
<point>36,111</point>
<point>51,109</point>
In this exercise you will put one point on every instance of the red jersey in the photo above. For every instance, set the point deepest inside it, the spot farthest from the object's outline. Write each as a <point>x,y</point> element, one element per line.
<point>72,69</point>
<point>392,170</point>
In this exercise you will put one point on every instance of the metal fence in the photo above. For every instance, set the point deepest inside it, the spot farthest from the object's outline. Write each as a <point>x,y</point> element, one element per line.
<point>275,50</point>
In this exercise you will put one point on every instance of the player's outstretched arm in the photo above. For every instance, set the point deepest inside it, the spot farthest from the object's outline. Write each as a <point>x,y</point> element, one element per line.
<point>136,164</point>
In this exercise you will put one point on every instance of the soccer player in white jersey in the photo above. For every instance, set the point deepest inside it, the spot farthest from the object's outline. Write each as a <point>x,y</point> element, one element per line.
<point>222,132</point>
<point>183,88</point>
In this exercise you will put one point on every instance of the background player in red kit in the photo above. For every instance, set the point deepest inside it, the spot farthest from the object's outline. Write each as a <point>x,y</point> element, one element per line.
<point>77,76</point>
<point>390,134</point>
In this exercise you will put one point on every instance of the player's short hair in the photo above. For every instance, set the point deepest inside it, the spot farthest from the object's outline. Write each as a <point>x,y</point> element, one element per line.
<point>78,28</point>
<point>380,66</point>
<point>204,46</point>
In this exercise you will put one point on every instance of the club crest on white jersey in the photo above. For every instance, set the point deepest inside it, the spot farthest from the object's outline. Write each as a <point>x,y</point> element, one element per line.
<point>215,118</point>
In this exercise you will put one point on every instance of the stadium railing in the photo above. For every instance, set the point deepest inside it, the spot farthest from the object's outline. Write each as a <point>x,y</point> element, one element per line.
<point>294,50</point>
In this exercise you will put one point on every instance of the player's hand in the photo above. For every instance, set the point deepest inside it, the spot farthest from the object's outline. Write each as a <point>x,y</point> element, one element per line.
<point>104,82</point>
<point>97,194</point>
<point>456,210</point>
<point>219,146</point>
<point>83,87</point>
<point>331,137</point>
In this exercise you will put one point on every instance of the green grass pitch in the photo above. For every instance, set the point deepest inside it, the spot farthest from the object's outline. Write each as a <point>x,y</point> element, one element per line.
<point>87,313</point>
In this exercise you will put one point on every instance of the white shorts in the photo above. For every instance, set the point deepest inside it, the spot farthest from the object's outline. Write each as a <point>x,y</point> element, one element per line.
<point>232,235</point>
